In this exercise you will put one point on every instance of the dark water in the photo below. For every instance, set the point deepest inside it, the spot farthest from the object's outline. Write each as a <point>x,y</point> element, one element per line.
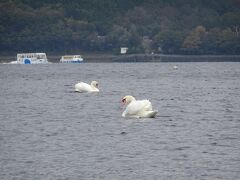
<point>47,131</point>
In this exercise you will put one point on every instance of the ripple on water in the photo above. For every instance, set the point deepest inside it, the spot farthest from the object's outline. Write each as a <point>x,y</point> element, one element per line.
<point>47,131</point>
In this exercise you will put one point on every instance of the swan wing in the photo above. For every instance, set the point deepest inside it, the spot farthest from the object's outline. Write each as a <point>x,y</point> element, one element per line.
<point>137,108</point>
<point>83,87</point>
<point>148,114</point>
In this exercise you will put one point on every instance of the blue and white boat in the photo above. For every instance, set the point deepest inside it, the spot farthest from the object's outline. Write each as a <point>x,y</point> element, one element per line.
<point>71,59</point>
<point>31,58</point>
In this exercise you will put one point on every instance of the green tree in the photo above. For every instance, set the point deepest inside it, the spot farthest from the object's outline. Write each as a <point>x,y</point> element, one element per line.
<point>228,42</point>
<point>232,20</point>
<point>192,43</point>
<point>210,43</point>
<point>168,42</point>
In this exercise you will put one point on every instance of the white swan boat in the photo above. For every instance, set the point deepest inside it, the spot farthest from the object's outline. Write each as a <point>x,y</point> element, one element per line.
<point>71,59</point>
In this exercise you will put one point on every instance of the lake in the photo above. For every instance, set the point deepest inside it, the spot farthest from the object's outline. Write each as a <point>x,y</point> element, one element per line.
<point>48,131</point>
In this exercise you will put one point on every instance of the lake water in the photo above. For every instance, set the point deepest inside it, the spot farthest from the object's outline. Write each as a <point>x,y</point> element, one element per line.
<point>47,131</point>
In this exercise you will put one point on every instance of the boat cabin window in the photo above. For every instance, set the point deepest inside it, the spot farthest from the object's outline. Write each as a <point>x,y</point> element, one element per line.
<point>67,57</point>
<point>32,55</point>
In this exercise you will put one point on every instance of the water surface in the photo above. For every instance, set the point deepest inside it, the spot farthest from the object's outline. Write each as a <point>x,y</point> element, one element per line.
<point>47,131</point>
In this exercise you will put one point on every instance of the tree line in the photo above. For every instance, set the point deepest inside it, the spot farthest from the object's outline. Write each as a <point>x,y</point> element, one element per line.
<point>144,26</point>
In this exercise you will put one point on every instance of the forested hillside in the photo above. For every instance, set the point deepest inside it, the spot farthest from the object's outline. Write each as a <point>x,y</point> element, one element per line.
<point>144,26</point>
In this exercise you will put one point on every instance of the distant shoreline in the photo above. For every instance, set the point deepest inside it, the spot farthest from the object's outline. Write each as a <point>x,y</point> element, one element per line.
<point>141,58</point>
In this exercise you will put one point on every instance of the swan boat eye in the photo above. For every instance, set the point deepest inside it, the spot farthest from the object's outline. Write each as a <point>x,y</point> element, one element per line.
<point>123,100</point>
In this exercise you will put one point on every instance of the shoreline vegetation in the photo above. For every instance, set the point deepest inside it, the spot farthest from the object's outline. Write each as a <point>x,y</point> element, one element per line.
<point>104,26</point>
<point>98,58</point>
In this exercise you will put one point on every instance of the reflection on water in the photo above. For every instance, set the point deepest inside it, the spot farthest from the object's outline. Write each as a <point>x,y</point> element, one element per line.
<point>47,131</point>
